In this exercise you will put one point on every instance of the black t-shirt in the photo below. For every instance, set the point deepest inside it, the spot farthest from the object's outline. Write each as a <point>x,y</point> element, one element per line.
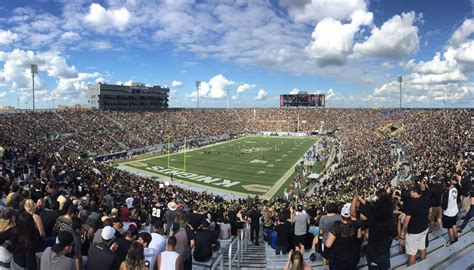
<point>157,213</point>
<point>282,230</point>
<point>123,246</point>
<point>345,252</point>
<point>466,186</point>
<point>436,190</point>
<point>49,217</point>
<point>195,220</point>
<point>204,240</point>
<point>255,217</point>
<point>380,232</point>
<point>418,209</point>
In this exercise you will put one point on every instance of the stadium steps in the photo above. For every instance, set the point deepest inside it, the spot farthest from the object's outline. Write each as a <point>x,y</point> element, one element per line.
<point>252,258</point>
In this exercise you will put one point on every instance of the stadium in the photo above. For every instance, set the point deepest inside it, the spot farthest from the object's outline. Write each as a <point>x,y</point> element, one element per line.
<point>236,134</point>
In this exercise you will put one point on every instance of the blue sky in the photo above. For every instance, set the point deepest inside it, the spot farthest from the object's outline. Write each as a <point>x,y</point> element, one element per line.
<point>350,50</point>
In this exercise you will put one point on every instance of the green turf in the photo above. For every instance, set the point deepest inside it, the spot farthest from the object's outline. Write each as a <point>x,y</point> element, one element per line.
<point>265,161</point>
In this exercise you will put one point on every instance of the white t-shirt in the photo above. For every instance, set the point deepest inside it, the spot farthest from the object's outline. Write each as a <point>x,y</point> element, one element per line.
<point>150,257</point>
<point>452,209</point>
<point>158,242</point>
<point>129,202</point>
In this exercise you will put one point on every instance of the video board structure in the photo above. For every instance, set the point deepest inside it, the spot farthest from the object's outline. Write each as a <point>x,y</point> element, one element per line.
<point>302,100</point>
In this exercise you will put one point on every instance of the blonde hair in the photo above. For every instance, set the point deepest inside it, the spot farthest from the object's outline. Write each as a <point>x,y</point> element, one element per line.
<point>29,206</point>
<point>297,260</point>
<point>6,224</point>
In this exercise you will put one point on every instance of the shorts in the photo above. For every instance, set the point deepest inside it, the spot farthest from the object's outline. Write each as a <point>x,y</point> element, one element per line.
<point>300,239</point>
<point>415,242</point>
<point>436,213</point>
<point>449,222</point>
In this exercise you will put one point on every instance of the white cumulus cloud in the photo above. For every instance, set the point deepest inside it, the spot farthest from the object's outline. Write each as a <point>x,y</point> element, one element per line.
<point>7,37</point>
<point>333,41</point>
<point>262,94</point>
<point>105,19</point>
<point>215,88</point>
<point>176,84</point>
<point>396,38</point>
<point>316,10</point>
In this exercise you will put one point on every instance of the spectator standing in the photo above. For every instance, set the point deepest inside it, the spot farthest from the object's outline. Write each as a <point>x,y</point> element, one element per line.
<point>301,221</point>
<point>325,225</point>
<point>205,241</point>
<point>170,216</point>
<point>415,224</point>
<point>254,220</point>
<point>283,231</point>
<point>436,191</point>
<point>48,217</point>
<point>466,187</point>
<point>469,214</point>
<point>382,229</point>
<point>76,231</point>
<point>344,240</point>
<point>170,259</point>
<point>7,225</point>
<point>102,255</point>
<point>150,253</point>
<point>134,259</point>
<point>450,210</point>
<point>54,258</point>
<point>158,241</point>
<point>25,243</point>
<point>184,242</point>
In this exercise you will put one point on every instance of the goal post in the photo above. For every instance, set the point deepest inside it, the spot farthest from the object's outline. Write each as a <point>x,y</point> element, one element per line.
<point>183,150</point>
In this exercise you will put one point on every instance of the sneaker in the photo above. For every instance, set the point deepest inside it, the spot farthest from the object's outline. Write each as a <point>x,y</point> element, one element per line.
<point>459,231</point>
<point>312,257</point>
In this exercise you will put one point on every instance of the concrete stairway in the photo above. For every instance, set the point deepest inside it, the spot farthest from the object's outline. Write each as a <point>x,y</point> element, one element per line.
<point>253,257</point>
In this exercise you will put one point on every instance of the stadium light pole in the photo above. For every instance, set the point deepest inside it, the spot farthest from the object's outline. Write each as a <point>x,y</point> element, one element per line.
<point>400,79</point>
<point>18,103</point>
<point>34,70</point>
<point>227,98</point>
<point>198,84</point>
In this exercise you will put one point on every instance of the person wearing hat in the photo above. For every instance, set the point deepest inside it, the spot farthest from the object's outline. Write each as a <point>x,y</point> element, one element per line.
<point>344,241</point>
<point>54,258</point>
<point>170,216</point>
<point>102,255</point>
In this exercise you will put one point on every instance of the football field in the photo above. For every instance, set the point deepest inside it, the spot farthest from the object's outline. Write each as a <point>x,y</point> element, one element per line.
<point>251,165</point>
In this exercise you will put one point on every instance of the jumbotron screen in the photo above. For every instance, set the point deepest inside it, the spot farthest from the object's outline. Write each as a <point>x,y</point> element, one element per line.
<point>302,100</point>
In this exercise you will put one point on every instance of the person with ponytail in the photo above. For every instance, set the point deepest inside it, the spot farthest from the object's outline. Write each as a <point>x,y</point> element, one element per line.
<point>296,261</point>
<point>135,259</point>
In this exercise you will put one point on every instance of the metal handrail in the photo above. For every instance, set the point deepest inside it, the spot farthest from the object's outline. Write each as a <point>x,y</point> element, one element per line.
<point>238,253</point>
<point>218,262</point>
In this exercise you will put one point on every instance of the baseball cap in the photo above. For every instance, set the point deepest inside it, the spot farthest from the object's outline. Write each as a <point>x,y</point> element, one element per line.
<point>107,233</point>
<point>63,239</point>
<point>346,210</point>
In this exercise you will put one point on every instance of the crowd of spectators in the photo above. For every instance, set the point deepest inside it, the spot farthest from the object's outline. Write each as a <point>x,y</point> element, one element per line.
<point>62,210</point>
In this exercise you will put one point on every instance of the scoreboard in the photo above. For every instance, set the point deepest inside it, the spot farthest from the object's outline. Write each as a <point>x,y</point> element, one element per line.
<point>302,100</point>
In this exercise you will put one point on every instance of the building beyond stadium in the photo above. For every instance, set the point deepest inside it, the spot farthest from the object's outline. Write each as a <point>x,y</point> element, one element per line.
<point>137,96</point>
